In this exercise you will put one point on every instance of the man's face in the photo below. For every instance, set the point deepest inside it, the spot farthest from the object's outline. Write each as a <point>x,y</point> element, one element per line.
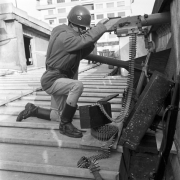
<point>82,29</point>
<point>79,29</point>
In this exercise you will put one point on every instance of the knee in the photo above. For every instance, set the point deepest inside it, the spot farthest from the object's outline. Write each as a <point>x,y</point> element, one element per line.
<point>78,86</point>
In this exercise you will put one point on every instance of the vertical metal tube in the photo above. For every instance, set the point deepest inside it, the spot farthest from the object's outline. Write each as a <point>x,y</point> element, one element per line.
<point>175,26</point>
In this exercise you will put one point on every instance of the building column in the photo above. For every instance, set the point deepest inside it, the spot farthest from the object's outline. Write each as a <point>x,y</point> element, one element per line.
<point>20,46</point>
<point>175,28</point>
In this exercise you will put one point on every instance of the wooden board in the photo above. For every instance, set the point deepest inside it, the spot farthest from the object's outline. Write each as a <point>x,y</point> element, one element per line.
<point>16,175</point>
<point>34,148</point>
<point>53,156</point>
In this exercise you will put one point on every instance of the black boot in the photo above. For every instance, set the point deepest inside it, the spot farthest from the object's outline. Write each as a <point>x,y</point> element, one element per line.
<point>33,111</point>
<point>66,127</point>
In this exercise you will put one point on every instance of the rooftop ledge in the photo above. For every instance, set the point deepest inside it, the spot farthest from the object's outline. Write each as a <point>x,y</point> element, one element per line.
<point>8,11</point>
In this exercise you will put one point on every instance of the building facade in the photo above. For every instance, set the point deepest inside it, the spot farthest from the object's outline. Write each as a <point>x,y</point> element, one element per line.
<point>23,39</point>
<point>54,12</point>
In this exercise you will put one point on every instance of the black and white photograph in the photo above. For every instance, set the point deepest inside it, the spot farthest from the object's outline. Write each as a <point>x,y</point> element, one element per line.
<point>89,90</point>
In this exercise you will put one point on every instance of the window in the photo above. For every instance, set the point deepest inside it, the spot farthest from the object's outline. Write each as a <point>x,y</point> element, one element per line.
<point>50,12</point>
<point>92,16</point>
<point>110,15</point>
<point>100,16</point>
<point>89,6</point>
<point>63,10</point>
<point>51,22</point>
<point>49,2</point>
<point>60,1</point>
<point>120,3</point>
<point>110,5</point>
<point>63,20</point>
<point>99,6</point>
<point>121,14</point>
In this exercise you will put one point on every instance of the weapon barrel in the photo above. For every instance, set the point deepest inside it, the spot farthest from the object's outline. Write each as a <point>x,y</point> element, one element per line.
<point>153,19</point>
<point>108,60</point>
<point>111,61</point>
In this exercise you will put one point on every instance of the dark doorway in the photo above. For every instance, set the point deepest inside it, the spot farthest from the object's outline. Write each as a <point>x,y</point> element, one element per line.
<point>27,46</point>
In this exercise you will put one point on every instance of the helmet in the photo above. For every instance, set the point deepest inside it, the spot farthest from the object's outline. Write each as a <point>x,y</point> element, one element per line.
<point>80,16</point>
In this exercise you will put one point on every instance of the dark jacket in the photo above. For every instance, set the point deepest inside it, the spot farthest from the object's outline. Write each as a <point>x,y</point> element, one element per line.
<point>65,50</point>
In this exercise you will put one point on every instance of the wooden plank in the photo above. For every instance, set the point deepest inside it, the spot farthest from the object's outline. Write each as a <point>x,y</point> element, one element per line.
<point>111,91</point>
<point>19,96</point>
<point>56,170</point>
<point>16,175</point>
<point>54,156</point>
<point>32,86</point>
<point>87,92</point>
<point>16,107</point>
<point>9,116</point>
<point>45,135</point>
<point>84,94</point>
<point>11,91</point>
<point>81,76</point>
<point>102,79</point>
<point>36,123</point>
<point>81,99</point>
<point>41,137</point>
<point>31,83</point>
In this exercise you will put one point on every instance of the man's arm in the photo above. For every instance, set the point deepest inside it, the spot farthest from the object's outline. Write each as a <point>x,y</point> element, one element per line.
<point>73,43</point>
<point>86,51</point>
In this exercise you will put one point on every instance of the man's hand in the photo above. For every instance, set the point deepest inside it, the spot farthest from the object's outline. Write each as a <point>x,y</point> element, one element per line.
<point>103,21</point>
<point>111,24</point>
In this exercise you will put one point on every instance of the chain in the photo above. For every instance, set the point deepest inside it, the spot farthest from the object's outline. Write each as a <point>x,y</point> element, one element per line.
<point>101,132</point>
<point>116,120</point>
<point>104,133</point>
<point>128,94</point>
<point>106,151</point>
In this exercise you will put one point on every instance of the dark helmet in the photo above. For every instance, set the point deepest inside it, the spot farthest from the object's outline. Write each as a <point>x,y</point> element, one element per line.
<point>80,16</point>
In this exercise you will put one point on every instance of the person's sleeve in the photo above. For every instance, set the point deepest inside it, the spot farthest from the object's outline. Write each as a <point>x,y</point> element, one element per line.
<point>86,51</point>
<point>73,43</point>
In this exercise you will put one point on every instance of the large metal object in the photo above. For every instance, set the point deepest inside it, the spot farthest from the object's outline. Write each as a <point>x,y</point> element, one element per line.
<point>160,58</point>
<point>143,113</point>
<point>171,132</point>
<point>127,26</point>
<point>170,118</point>
<point>135,23</point>
<point>91,115</point>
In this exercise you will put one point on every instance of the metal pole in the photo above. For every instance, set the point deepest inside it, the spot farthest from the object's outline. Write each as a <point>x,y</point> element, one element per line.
<point>16,3</point>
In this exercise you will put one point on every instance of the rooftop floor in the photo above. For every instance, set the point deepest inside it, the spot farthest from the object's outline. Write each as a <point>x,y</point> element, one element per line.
<point>34,149</point>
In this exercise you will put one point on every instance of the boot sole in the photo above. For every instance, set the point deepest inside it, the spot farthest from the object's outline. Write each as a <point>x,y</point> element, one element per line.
<point>80,136</point>
<point>27,108</point>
